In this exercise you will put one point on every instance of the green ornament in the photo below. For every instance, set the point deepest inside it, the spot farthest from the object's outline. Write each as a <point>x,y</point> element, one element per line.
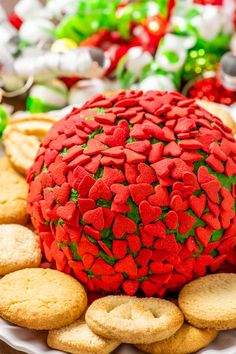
<point>3,120</point>
<point>89,18</point>
<point>136,12</point>
<point>198,62</point>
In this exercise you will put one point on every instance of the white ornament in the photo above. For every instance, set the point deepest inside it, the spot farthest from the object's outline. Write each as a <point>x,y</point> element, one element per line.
<point>83,90</point>
<point>35,30</point>
<point>25,9</point>
<point>178,45</point>
<point>52,93</point>
<point>157,82</point>
<point>137,59</point>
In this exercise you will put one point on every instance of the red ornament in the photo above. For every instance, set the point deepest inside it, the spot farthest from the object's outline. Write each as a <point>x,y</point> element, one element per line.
<point>144,206</point>
<point>211,89</point>
<point>210,2</point>
<point>15,20</point>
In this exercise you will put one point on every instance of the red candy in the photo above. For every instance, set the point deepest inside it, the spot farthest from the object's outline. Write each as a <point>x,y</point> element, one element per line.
<point>139,199</point>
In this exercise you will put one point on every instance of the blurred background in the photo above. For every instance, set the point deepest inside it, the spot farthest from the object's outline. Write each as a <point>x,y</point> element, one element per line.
<point>61,52</point>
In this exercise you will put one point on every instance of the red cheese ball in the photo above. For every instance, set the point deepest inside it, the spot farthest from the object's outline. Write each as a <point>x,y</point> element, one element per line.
<point>136,193</point>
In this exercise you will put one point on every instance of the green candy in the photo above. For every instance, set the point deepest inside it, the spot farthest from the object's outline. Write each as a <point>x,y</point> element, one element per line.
<point>3,120</point>
<point>198,62</point>
<point>93,15</point>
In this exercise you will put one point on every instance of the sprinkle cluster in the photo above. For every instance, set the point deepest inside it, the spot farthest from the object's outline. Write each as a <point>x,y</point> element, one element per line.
<point>136,192</point>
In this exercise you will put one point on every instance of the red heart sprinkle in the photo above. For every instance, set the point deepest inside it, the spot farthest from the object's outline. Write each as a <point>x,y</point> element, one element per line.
<point>148,212</point>
<point>215,164</point>
<point>230,167</point>
<point>160,198</point>
<point>117,139</point>
<point>225,217</point>
<point>186,222</point>
<point>100,191</point>
<point>94,164</point>
<point>85,185</point>
<point>106,118</point>
<point>171,219</point>
<point>203,235</point>
<point>119,248</point>
<point>190,144</point>
<point>95,218</point>
<point>131,172</point>
<point>133,157</point>
<point>94,147</point>
<point>228,201</point>
<point>61,194</point>
<point>139,146</point>
<point>85,204</point>
<point>144,256</point>
<point>147,175</point>
<point>212,221</point>
<point>126,265</point>
<point>178,204</point>
<point>122,193</point>
<point>130,287</point>
<point>79,160</point>
<point>155,153</point>
<point>204,176</point>
<point>191,156</point>
<point>149,288</point>
<point>100,267</point>
<point>172,149</point>
<point>122,225</point>
<point>134,242</point>
<point>112,175</point>
<point>162,167</point>
<point>160,268</point>
<point>139,192</point>
<point>116,151</point>
<point>67,211</point>
<point>157,229</point>
<point>212,188</point>
<point>197,204</point>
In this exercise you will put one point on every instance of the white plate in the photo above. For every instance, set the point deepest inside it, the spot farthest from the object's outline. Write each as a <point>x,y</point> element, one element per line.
<point>31,342</point>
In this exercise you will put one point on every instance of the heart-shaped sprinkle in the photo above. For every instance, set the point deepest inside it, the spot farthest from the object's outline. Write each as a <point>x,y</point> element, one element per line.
<point>197,204</point>
<point>95,218</point>
<point>186,222</point>
<point>148,212</point>
<point>156,229</point>
<point>126,265</point>
<point>178,204</point>
<point>212,188</point>
<point>94,147</point>
<point>171,219</point>
<point>117,139</point>
<point>130,287</point>
<point>203,234</point>
<point>85,185</point>
<point>67,211</point>
<point>100,191</point>
<point>123,225</point>
<point>122,193</point>
<point>119,248</point>
<point>133,157</point>
<point>140,192</point>
<point>147,175</point>
<point>160,198</point>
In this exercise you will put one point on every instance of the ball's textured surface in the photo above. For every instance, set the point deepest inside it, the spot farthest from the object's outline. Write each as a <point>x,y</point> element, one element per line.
<point>136,191</point>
